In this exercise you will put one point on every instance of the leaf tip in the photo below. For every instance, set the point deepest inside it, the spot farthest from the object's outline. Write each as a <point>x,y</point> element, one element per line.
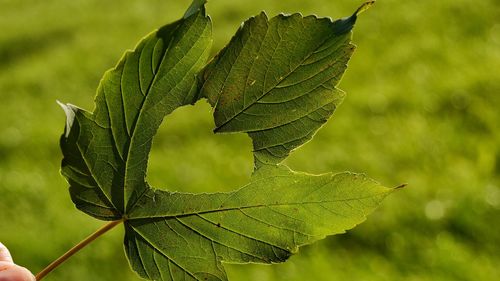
<point>401,186</point>
<point>346,24</point>
<point>70,111</point>
<point>61,104</point>
<point>365,6</point>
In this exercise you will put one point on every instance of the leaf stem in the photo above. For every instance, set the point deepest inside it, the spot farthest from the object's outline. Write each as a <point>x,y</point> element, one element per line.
<point>107,227</point>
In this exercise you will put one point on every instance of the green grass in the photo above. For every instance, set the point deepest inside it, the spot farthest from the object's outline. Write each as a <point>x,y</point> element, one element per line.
<point>422,107</point>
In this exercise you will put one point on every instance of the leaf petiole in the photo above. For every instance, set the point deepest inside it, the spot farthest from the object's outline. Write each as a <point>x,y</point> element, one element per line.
<point>107,227</point>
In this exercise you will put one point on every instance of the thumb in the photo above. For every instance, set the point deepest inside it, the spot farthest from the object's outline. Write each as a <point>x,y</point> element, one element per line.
<point>5,254</point>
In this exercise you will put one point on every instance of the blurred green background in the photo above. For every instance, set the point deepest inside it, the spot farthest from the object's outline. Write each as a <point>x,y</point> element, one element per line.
<point>422,107</point>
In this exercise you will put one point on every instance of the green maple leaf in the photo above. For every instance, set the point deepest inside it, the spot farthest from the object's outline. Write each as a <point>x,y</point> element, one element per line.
<point>276,80</point>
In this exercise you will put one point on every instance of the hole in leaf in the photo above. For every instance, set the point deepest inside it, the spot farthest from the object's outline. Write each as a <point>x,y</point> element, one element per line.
<point>187,156</point>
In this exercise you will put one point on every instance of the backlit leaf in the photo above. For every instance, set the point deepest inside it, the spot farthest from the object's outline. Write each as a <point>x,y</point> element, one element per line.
<point>276,80</point>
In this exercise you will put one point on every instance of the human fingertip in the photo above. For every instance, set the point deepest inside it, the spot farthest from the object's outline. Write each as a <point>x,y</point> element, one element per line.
<point>5,254</point>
